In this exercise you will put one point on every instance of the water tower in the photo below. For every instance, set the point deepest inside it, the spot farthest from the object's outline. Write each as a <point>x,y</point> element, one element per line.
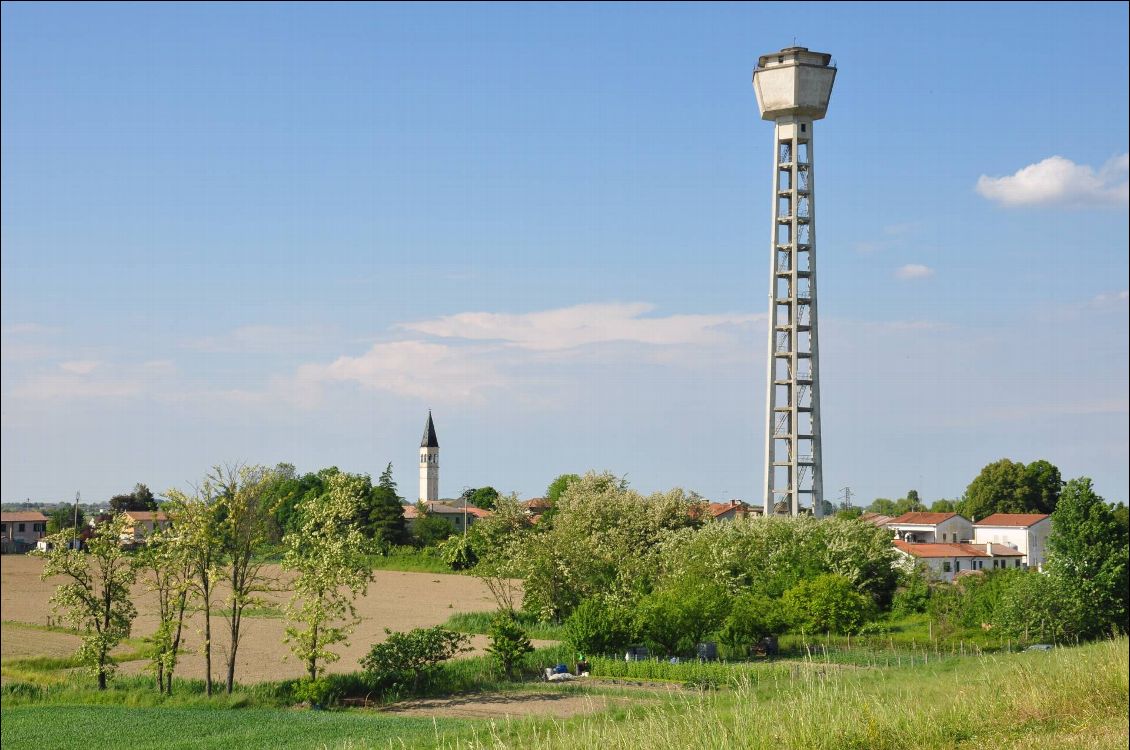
<point>793,87</point>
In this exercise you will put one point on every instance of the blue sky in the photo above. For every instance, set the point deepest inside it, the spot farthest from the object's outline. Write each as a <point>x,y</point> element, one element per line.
<point>281,233</point>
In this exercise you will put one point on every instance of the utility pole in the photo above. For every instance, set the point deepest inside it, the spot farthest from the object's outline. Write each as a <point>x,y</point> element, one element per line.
<point>74,526</point>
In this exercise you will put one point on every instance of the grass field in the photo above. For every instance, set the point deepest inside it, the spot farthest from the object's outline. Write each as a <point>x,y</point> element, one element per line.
<point>1067,698</point>
<point>168,728</point>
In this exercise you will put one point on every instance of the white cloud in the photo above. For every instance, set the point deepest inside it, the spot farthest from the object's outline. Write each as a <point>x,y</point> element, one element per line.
<point>1057,181</point>
<point>80,366</point>
<point>71,386</point>
<point>25,342</point>
<point>913,271</point>
<point>1108,300</point>
<point>580,325</point>
<point>409,368</point>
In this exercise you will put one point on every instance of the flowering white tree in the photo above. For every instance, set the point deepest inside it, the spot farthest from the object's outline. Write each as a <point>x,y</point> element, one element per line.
<point>327,553</point>
<point>95,595</point>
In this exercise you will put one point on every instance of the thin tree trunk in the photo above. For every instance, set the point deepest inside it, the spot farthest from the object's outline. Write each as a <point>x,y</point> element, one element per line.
<point>313,663</point>
<point>182,603</point>
<point>207,639</point>
<point>236,616</point>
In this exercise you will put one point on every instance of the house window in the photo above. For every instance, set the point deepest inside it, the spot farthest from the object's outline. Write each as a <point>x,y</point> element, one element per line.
<point>21,528</point>
<point>946,568</point>
<point>1017,563</point>
<point>957,565</point>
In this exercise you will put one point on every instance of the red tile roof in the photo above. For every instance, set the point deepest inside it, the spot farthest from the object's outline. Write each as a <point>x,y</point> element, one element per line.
<point>146,515</point>
<point>876,519</point>
<point>721,509</point>
<point>1012,519</point>
<point>955,550</point>
<point>23,516</point>
<point>923,518</point>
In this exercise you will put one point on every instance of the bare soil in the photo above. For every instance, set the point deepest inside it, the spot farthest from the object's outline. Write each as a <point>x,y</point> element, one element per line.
<point>560,705</point>
<point>395,600</point>
<point>22,643</point>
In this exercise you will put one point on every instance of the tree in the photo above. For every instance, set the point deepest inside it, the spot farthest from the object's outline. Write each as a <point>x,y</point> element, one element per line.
<point>384,522</point>
<point>483,497</point>
<point>913,594</point>
<point>827,604</point>
<point>327,554</point>
<point>141,499</point>
<point>1007,486</point>
<point>245,520</point>
<point>1043,608</point>
<point>168,573</point>
<point>95,597</point>
<point>414,654</point>
<point>1044,486</point>
<point>558,486</point>
<point>849,512</point>
<point>943,506</point>
<point>287,493</point>
<point>1087,550</point>
<point>197,520</point>
<point>509,642</point>
<point>600,627</point>
<point>883,506</point>
<point>65,518</point>
<point>752,617</point>
<point>603,539</point>
<point>430,528</point>
<point>677,617</point>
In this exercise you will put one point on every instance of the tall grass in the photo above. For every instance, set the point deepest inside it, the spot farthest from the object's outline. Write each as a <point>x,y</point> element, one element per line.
<point>412,560</point>
<point>479,622</point>
<point>1066,698</point>
<point>456,676</point>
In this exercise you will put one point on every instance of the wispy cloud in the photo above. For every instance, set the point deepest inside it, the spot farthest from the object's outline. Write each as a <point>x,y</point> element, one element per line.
<point>1057,181</point>
<point>68,387</point>
<point>913,271</point>
<point>411,368</point>
<point>80,366</point>
<point>1109,300</point>
<point>581,325</point>
<point>25,342</point>
<point>260,339</point>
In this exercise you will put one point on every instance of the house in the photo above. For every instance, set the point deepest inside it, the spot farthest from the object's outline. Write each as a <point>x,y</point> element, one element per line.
<point>140,524</point>
<point>1025,532</point>
<point>928,528</point>
<point>732,510</point>
<point>536,507</point>
<point>454,511</point>
<point>945,561</point>
<point>876,519</point>
<point>21,530</point>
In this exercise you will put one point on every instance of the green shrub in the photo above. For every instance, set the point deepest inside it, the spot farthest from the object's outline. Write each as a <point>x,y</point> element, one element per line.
<point>752,617</point>
<point>413,655</point>
<point>599,626</point>
<point>319,693</point>
<point>827,604</point>
<point>509,642</point>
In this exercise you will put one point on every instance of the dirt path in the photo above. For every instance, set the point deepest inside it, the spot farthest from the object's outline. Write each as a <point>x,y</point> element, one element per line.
<point>398,601</point>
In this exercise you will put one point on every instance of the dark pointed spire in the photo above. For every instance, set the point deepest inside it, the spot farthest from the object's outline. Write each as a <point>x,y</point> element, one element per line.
<point>429,440</point>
